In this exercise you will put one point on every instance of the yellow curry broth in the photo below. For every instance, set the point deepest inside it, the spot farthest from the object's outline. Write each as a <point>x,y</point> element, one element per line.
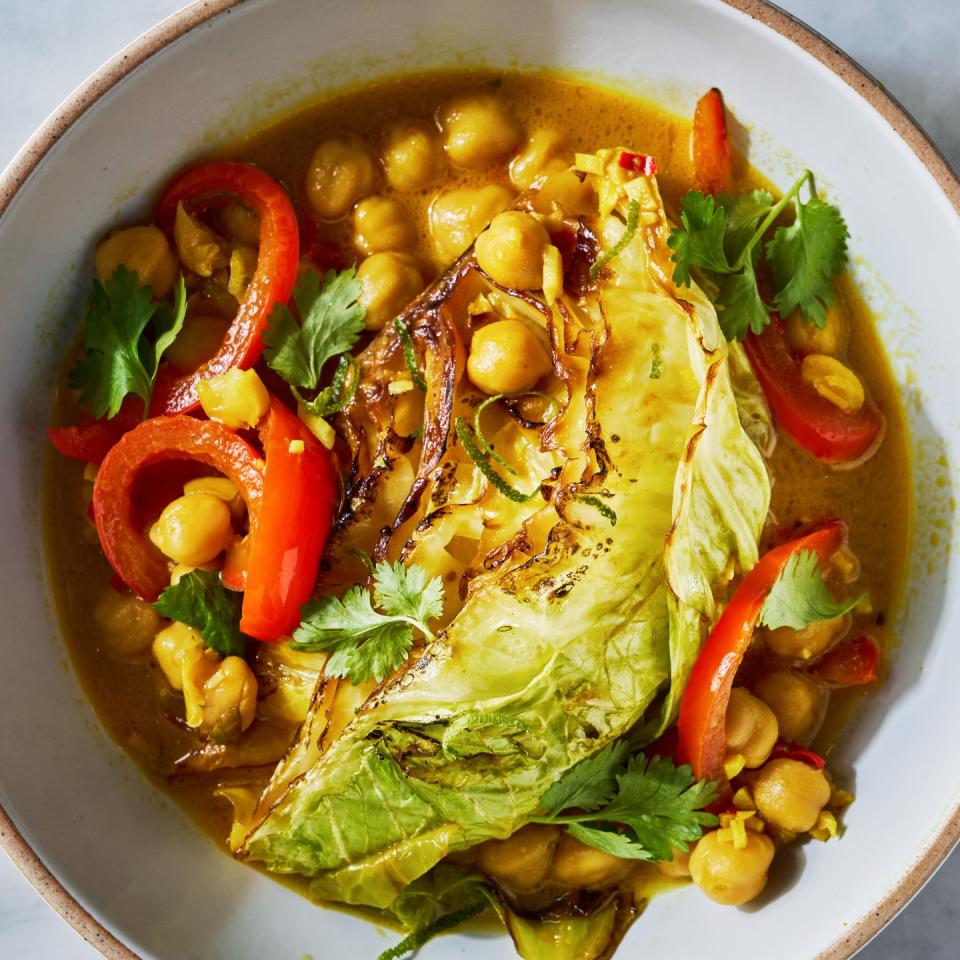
<point>137,708</point>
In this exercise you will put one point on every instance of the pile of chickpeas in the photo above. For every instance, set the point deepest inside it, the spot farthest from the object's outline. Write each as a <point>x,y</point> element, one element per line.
<point>476,133</point>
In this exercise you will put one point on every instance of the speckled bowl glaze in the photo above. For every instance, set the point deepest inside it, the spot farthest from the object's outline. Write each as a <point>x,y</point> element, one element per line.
<point>127,868</point>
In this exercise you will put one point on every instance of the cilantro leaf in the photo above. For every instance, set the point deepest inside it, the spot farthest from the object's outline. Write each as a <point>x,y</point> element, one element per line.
<point>120,358</point>
<point>741,308</point>
<point>201,601</point>
<point>804,256</point>
<point>658,806</point>
<point>700,242</point>
<point>744,212</point>
<point>799,596</point>
<point>406,592</point>
<point>591,783</point>
<point>331,321</point>
<point>361,641</point>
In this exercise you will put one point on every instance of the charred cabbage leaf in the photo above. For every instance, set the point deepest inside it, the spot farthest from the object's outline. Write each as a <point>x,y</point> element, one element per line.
<point>564,629</point>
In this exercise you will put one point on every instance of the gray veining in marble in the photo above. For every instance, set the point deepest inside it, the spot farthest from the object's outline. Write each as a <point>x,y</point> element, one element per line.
<point>47,47</point>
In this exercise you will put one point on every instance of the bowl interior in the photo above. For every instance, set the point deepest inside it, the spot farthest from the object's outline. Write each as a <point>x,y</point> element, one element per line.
<point>132,858</point>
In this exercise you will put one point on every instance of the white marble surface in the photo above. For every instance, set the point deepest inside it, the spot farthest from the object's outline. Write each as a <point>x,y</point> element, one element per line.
<point>47,47</point>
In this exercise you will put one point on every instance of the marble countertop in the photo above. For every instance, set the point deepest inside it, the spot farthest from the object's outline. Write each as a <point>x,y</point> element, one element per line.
<point>47,47</point>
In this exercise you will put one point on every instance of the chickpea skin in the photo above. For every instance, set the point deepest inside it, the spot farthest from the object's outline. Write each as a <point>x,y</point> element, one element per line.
<point>511,249</point>
<point>142,250</point>
<point>506,356</point>
<point>479,132</point>
<point>413,159</point>
<point>728,875</point>
<point>388,282</point>
<point>126,624</point>
<point>341,172</point>
<point>193,529</point>
<point>751,727</point>
<point>790,794</point>
<point>808,642</point>
<point>522,860</point>
<point>797,701</point>
<point>229,699</point>
<point>379,224</point>
<point>579,867</point>
<point>457,217</point>
<point>805,337</point>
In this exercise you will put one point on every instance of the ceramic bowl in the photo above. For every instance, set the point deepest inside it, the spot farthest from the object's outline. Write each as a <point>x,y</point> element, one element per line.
<point>129,869</point>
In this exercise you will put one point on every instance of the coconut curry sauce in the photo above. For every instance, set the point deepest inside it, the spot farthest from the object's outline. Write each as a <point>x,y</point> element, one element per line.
<point>130,693</point>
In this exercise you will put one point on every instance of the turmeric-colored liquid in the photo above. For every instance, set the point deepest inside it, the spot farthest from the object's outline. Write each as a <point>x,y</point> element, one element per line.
<point>133,700</point>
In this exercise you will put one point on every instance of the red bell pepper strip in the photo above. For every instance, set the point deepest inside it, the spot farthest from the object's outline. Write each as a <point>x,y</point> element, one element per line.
<point>91,441</point>
<point>851,663</point>
<point>272,282</point>
<point>812,421</point>
<point>136,560</point>
<point>712,164</point>
<point>703,707</point>
<point>287,536</point>
<point>639,162</point>
<point>792,751</point>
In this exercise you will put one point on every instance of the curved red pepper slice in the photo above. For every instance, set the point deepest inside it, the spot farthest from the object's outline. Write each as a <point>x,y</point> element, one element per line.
<point>703,707</point>
<point>287,536</point>
<point>272,281</point>
<point>851,663</point>
<point>136,560</point>
<point>92,441</point>
<point>712,163</point>
<point>812,421</point>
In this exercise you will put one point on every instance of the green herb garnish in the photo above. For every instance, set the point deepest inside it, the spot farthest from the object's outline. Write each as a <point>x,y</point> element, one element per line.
<point>799,596</point>
<point>121,356</point>
<point>483,464</point>
<point>410,354</point>
<point>722,238</point>
<point>633,221</point>
<point>606,512</point>
<point>201,601</point>
<point>364,643</point>
<point>413,942</point>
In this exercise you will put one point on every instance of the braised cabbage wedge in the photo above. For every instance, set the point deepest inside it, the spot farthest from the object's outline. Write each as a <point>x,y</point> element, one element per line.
<point>573,610</point>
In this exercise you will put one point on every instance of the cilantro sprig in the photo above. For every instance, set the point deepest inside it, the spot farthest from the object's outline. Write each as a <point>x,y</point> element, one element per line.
<point>638,808</point>
<point>721,238</point>
<point>331,321</point>
<point>125,333</point>
<point>799,596</point>
<point>365,643</point>
<point>200,600</point>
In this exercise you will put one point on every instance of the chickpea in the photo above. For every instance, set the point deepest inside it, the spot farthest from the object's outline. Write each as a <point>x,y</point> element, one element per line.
<point>564,189</point>
<point>197,246</point>
<point>678,868</point>
<point>797,701</point>
<point>229,700</point>
<point>388,282</point>
<point>808,642</point>
<point>478,132</point>
<point>809,338</point>
<point>379,224</point>
<point>240,223</point>
<point>193,529</point>
<point>834,381</point>
<point>341,172</point>
<point>506,356</point>
<point>198,340</point>
<point>457,217</point>
<point>751,727</point>
<point>126,625</point>
<point>728,875</point>
<point>222,488</point>
<point>579,867</point>
<point>171,647</point>
<point>412,159</point>
<point>236,398</point>
<point>143,250</point>
<point>511,249</point>
<point>521,861</point>
<point>790,794</point>
<point>536,158</point>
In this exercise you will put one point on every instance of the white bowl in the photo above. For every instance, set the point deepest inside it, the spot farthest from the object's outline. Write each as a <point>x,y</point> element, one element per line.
<point>79,814</point>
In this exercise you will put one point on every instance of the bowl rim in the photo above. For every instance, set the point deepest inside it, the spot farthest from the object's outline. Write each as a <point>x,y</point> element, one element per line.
<point>929,859</point>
